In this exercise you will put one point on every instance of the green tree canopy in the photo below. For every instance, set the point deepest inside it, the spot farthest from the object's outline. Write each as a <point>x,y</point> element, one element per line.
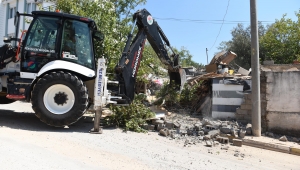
<point>241,44</point>
<point>282,40</point>
<point>113,19</point>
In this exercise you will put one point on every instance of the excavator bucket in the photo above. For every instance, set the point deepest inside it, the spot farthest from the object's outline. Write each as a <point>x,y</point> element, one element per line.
<point>178,77</point>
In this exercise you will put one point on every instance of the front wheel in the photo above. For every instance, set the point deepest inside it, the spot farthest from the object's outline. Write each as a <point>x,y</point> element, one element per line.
<point>59,99</point>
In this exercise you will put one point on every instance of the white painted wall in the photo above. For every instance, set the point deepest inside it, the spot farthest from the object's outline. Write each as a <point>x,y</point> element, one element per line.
<point>283,91</point>
<point>2,21</point>
<point>283,102</point>
<point>10,26</point>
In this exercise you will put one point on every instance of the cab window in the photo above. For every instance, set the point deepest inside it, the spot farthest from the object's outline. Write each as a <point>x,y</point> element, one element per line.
<point>40,44</point>
<point>42,35</point>
<point>76,43</point>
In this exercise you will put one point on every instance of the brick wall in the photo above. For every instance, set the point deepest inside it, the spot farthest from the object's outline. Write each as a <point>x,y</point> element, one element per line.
<point>244,112</point>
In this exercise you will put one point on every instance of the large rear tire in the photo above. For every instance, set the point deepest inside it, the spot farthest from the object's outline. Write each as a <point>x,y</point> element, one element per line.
<point>59,99</point>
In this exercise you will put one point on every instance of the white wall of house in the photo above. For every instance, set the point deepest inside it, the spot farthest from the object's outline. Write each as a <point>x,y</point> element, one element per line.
<point>7,27</point>
<point>2,20</point>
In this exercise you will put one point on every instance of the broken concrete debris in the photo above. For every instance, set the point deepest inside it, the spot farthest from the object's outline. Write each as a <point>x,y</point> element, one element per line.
<point>242,133</point>
<point>164,132</point>
<point>237,142</point>
<point>270,134</point>
<point>192,131</point>
<point>209,143</point>
<point>295,140</point>
<point>283,138</point>
<point>249,129</point>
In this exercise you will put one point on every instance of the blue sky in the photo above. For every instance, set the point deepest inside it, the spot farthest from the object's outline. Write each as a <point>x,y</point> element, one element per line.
<point>197,35</point>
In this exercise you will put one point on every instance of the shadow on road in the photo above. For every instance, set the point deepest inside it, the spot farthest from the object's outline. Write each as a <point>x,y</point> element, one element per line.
<point>28,121</point>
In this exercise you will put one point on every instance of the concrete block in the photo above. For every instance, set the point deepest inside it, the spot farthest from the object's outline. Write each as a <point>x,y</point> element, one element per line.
<point>219,138</point>
<point>249,129</point>
<point>210,127</point>
<point>157,121</point>
<point>169,124</point>
<point>160,126</point>
<point>176,124</point>
<point>226,129</point>
<point>237,142</point>
<point>151,127</point>
<point>242,133</point>
<point>213,133</point>
<point>230,137</point>
<point>225,140</point>
<point>164,132</point>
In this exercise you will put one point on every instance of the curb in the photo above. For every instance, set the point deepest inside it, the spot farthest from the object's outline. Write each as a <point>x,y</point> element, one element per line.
<point>295,151</point>
<point>273,147</point>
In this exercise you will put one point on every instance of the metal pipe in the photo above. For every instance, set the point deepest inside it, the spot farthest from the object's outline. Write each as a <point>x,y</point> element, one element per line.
<point>97,129</point>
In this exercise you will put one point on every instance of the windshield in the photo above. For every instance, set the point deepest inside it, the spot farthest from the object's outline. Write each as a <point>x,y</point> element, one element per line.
<point>42,36</point>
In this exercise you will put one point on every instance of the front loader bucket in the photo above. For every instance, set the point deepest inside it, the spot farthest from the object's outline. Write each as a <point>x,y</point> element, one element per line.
<point>178,77</point>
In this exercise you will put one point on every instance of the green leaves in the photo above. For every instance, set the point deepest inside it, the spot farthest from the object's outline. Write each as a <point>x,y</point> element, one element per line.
<point>279,42</point>
<point>282,40</point>
<point>241,44</point>
<point>131,117</point>
<point>113,19</point>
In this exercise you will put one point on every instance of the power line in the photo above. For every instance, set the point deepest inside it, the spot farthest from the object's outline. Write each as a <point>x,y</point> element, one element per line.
<point>207,21</point>
<point>221,26</point>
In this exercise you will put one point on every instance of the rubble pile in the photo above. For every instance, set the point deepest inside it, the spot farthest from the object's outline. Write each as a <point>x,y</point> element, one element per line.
<point>192,131</point>
<point>203,90</point>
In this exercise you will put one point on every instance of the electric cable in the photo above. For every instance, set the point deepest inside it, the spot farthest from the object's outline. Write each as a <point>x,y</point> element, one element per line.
<point>221,26</point>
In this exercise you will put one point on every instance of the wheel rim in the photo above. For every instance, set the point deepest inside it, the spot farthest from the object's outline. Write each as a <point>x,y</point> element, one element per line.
<point>59,99</point>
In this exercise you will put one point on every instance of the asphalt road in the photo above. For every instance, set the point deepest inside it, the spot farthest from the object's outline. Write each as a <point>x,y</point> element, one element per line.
<point>27,143</point>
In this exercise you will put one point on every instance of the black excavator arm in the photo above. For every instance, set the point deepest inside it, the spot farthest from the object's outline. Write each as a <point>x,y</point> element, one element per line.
<point>129,62</point>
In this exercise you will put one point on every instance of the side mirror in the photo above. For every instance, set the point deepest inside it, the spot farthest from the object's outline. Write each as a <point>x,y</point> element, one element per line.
<point>16,18</point>
<point>6,39</point>
<point>98,35</point>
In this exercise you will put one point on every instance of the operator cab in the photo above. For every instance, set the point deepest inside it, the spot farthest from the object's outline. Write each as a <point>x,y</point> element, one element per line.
<point>58,36</point>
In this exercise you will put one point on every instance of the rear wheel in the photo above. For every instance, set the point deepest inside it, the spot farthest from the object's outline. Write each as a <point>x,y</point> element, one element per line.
<point>59,99</point>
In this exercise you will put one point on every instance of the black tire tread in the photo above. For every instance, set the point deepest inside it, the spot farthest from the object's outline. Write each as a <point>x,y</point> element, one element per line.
<point>77,110</point>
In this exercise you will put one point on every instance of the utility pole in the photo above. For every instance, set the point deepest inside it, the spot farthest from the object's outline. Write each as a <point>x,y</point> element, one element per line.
<point>256,108</point>
<point>207,56</point>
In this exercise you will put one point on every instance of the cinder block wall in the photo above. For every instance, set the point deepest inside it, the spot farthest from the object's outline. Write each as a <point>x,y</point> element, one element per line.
<point>280,101</point>
<point>244,112</point>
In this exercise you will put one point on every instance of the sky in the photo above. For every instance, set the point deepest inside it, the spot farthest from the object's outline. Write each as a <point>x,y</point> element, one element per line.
<point>197,24</point>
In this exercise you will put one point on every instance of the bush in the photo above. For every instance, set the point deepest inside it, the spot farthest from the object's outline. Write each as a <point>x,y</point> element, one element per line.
<point>188,95</point>
<point>131,117</point>
<point>169,93</point>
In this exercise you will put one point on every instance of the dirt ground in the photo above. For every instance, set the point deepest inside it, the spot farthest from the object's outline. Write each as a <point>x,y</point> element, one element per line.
<point>27,143</point>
